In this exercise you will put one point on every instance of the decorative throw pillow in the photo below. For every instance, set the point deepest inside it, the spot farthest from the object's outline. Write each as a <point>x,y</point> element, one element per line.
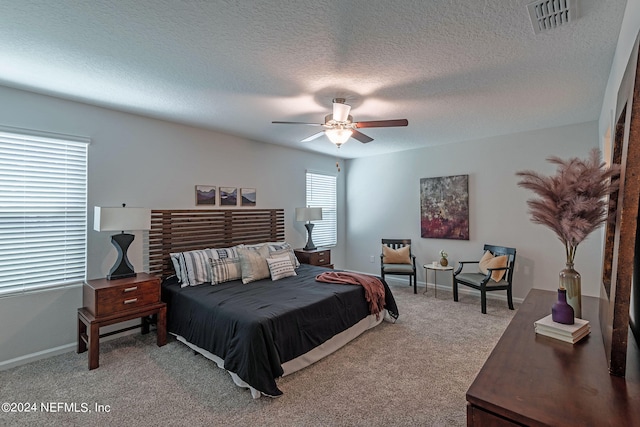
<point>396,256</point>
<point>176,265</point>
<point>193,267</point>
<point>253,263</point>
<point>486,257</point>
<point>225,270</point>
<point>489,261</point>
<point>281,267</point>
<point>277,248</point>
<point>290,254</point>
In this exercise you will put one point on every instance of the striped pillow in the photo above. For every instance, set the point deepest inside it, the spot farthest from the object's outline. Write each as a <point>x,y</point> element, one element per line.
<point>225,270</point>
<point>275,248</point>
<point>280,267</point>
<point>194,267</point>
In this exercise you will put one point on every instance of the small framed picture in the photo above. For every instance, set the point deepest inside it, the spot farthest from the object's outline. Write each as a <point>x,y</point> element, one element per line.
<point>228,196</point>
<point>248,196</point>
<point>205,195</point>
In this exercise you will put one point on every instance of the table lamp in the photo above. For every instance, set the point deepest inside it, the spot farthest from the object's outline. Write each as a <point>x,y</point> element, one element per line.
<point>309,214</point>
<point>121,219</point>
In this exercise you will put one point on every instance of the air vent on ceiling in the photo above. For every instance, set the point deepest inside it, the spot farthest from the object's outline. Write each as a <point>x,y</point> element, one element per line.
<point>548,14</point>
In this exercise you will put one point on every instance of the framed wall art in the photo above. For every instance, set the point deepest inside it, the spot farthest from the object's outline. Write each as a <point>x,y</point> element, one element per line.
<point>205,195</point>
<point>228,196</point>
<point>248,196</point>
<point>444,207</point>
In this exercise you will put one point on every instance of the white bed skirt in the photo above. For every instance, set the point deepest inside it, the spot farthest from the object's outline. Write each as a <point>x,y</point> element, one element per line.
<point>302,361</point>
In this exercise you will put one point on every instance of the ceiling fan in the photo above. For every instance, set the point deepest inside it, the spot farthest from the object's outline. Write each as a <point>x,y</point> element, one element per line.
<point>339,126</point>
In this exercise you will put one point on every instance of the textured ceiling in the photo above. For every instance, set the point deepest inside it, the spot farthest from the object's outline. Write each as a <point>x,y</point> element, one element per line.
<point>456,69</point>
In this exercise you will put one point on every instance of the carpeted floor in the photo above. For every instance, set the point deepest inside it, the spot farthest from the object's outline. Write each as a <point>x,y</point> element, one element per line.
<point>412,373</point>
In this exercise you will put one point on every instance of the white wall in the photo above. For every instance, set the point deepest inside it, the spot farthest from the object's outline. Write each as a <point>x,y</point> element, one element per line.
<point>383,201</point>
<point>145,163</point>
<point>626,40</point>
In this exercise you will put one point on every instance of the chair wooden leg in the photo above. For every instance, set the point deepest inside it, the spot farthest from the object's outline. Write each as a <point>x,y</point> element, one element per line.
<point>510,298</point>
<point>455,290</point>
<point>415,284</point>
<point>483,301</point>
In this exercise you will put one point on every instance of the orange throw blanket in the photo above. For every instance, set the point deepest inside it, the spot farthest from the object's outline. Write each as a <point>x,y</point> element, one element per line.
<point>373,287</point>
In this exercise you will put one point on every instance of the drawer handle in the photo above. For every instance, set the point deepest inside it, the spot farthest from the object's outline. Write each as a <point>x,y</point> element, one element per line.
<point>130,301</point>
<point>130,289</point>
<point>320,253</point>
<point>321,260</point>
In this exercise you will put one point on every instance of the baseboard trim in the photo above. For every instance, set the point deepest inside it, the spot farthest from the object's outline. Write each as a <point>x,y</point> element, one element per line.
<point>50,352</point>
<point>462,290</point>
<point>38,355</point>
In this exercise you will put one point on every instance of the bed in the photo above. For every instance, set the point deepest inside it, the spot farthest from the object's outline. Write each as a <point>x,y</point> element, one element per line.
<point>264,329</point>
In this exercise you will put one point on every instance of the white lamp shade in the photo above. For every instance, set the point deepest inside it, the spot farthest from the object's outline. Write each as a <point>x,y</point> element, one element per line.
<point>308,214</point>
<point>121,219</point>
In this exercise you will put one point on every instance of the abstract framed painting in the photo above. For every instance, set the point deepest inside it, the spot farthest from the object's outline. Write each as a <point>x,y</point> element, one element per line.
<point>248,196</point>
<point>205,195</point>
<point>444,207</point>
<point>228,196</point>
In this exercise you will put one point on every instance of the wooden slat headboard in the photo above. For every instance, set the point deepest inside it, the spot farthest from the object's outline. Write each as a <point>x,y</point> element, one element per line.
<point>188,230</point>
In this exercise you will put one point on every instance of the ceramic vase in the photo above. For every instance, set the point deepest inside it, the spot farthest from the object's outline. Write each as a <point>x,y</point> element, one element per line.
<point>444,262</point>
<point>571,281</point>
<point>561,312</point>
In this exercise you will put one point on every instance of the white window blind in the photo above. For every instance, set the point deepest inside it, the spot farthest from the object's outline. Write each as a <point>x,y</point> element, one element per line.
<point>43,214</point>
<point>321,193</point>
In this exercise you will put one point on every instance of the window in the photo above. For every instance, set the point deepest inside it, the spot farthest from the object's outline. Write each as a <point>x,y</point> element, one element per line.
<point>43,210</point>
<point>321,193</point>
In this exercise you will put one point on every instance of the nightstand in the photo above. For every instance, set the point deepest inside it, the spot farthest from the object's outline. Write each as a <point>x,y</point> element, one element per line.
<point>319,257</point>
<point>113,301</point>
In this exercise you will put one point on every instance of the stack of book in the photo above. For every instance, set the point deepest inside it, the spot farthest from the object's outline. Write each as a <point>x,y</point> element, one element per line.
<point>568,333</point>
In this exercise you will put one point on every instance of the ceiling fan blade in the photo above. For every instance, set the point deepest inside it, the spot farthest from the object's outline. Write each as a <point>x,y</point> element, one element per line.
<point>361,137</point>
<point>382,123</point>
<point>298,123</point>
<point>312,137</point>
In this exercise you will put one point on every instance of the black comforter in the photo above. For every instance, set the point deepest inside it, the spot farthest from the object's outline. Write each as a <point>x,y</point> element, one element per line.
<point>258,326</point>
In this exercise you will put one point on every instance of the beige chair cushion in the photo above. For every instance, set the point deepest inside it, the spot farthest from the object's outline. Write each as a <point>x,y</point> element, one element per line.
<point>396,256</point>
<point>489,261</point>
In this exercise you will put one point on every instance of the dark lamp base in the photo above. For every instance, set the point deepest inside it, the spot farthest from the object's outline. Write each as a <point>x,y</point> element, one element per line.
<point>310,246</point>
<point>122,268</point>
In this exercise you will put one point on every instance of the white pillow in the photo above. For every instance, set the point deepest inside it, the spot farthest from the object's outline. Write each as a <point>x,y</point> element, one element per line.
<point>281,267</point>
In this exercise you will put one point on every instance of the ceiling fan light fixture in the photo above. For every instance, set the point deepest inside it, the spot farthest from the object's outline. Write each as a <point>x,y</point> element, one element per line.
<point>339,135</point>
<point>340,110</point>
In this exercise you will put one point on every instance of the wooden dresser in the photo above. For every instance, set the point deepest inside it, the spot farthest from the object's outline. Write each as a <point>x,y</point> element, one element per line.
<point>107,302</point>
<point>319,257</point>
<point>534,380</point>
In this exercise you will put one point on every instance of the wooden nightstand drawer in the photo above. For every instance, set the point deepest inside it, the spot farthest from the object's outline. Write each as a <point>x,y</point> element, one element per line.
<point>105,297</point>
<point>320,257</point>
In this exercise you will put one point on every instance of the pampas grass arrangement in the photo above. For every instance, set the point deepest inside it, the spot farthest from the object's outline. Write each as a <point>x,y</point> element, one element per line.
<point>573,202</point>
